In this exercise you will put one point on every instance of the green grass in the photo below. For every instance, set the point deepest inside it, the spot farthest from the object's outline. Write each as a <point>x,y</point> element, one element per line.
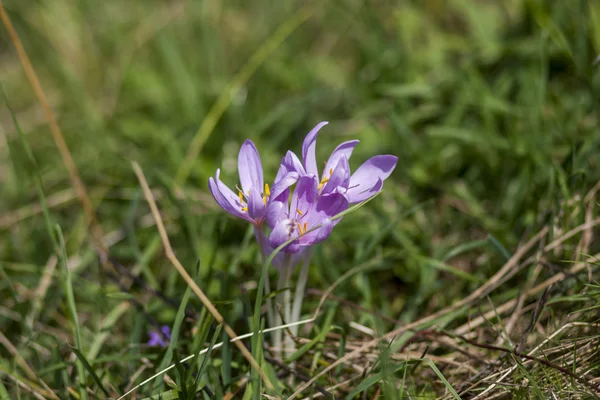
<point>491,107</point>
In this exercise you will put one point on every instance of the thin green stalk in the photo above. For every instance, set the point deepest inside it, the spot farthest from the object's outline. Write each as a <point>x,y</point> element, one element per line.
<point>260,238</point>
<point>68,285</point>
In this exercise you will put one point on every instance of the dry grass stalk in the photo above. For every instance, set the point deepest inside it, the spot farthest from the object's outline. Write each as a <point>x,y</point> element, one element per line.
<point>188,279</point>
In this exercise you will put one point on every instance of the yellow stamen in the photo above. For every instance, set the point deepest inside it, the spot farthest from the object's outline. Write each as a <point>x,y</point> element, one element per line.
<point>330,171</point>
<point>305,227</point>
<point>244,208</point>
<point>265,200</point>
<point>300,228</point>
<point>241,196</point>
<point>267,190</point>
<point>299,212</point>
<point>324,181</point>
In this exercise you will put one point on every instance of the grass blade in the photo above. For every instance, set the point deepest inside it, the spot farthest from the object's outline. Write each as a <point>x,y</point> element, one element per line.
<point>68,287</point>
<point>89,368</point>
<point>442,378</point>
<point>168,356</point>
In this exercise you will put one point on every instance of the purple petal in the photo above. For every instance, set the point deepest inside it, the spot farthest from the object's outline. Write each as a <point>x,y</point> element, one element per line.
<point>326,208</point>
<point>325,230</point>
<point>156,339</point>
<point>340,177</point>
<point>292,163</point>
<point>281,172</point>
<point>304,196</point>
<point>250,167</point>
<point>282,184</point>
<point>331,205</point>
<point>276,212</point>
<point>256,205</point>
<point>284,195</point>
<point>284,231</point>
<point>343,150</point>
<point>367,194</point>
<point>166,331</point>
<point>308,150</point>
<point>368,178</point>
<point>317,235</point>
<point>225,197</point>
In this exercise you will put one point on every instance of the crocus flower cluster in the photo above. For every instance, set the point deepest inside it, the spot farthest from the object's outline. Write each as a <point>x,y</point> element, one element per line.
<point>315,199</point>
<point>297,209</point>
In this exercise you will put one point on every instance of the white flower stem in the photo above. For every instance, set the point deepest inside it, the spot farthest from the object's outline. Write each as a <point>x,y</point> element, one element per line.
<point>290,344</point>
<point>299,294</point>
<point>291,312</point>
<point>283,299</point>
<point>287,304</point>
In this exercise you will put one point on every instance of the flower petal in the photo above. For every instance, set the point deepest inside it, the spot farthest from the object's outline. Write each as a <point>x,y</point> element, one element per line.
<point>276,211</point>
<point>166,331</point>
<point>368,178</point>
<point>340,177</point>
<point>292,163</point>
<point>367,194</point>
<point>250,167</point>
<point>304,196</point>
<point>155,340</point>
<point>327,207</point>
<point>280,186</point>
<point>345,149</point>
<point>226,198</point>
<point>284,231</point>
<point>325,230</point>
<point>281,172</point>
<point>308,150</point>
<point>257,207</point>
<point>317,235</point>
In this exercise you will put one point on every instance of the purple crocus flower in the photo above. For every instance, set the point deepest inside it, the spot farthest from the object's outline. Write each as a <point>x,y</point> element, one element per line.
<point>315,200</point>
<point>364,183</point>
<point>253,197</point>
<point>160,340</point>
<point>307,210</point>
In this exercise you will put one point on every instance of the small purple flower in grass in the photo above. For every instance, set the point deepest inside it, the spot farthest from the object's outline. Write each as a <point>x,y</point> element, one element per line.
<point>366,181</point>
<point>253,197</point>
<point>160,339</point>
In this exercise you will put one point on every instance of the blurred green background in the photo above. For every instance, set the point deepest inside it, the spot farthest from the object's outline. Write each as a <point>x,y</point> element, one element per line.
<point>491,107</point>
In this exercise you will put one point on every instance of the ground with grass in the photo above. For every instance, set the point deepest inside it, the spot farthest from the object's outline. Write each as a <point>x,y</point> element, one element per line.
<point>474,274</point>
